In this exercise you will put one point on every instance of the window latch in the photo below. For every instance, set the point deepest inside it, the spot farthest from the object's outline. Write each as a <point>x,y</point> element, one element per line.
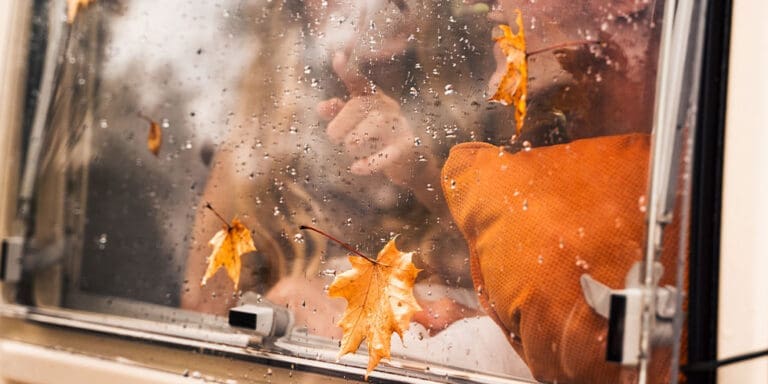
<point>623,309</point>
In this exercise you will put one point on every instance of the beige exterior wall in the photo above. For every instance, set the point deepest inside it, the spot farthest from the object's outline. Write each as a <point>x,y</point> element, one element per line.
<point>743,318</point>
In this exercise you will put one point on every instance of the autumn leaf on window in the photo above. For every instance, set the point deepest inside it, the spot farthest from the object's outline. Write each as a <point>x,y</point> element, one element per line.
<point>513,87</point>
<point>380,300</point>
<point>73,6</point>
<point>229,244</point>
<point>154,137</point>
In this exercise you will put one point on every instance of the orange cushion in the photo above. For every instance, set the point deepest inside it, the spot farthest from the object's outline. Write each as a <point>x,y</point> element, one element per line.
<point>535,221</point>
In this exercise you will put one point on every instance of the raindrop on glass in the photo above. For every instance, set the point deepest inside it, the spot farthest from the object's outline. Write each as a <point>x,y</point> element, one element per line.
<point>328,272</point>
<point>102,241</point>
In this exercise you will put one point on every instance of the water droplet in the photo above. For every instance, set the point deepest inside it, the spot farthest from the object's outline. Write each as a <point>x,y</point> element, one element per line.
<point>453,184</point>
<point>525,204</point>
<point>581,263</point>
<point>413,91</point>
<point>416,141</point>
<point>540,259</point>
<point>103,124</point>
<point>526,145</point>
<point>307,69</point>
<point>430,188</point>
<point>269,372</point>
<point>348,222</point>
<point>102,241</point>
<point>314,83</point>
<point>449,89</point>
<point>328,272</point>
<point>580,232</point>
<point>276,211</point>
<point>187,144</point>
<point>641,204</point>
<point>604,26</point>
<point>298,238</point>
<point>165,124</point>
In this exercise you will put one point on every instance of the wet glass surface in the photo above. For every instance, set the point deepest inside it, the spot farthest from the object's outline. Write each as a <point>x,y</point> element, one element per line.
<point>341,115</point>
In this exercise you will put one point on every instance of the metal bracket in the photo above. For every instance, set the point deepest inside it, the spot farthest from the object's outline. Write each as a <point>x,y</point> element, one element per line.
<point>623,310</point>
<point>10,259</point>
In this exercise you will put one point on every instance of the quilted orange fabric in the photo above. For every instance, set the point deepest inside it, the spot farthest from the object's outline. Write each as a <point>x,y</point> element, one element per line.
<point>535,221</point>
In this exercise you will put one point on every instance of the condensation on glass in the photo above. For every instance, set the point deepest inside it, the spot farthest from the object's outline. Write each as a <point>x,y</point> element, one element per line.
<point>340,115</point>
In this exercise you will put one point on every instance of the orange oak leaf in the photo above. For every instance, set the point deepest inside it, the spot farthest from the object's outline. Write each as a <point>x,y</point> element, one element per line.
<point>73,6</point>
<point>155,135</point>
<point>380,301</point>
<point>513,87</point>
<point>229,244</point>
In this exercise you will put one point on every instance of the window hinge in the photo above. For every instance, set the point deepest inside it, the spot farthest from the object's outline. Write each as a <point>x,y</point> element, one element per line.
<point>10,259</point>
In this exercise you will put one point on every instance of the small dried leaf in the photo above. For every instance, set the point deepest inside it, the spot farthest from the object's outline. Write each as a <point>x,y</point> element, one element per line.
<point>380,301</point>
<point>154,138</point>
<point>229,244</point>
<point>73,6</point>
<point>513,87</point>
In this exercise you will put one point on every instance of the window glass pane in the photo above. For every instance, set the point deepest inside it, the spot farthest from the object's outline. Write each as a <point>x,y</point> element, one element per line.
<point>506,144</point>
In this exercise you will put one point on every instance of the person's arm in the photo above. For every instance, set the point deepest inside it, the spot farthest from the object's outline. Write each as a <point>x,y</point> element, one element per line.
<point>227,190</point>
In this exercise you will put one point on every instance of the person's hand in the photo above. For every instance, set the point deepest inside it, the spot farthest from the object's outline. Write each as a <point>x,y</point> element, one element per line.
<point>370,126</point>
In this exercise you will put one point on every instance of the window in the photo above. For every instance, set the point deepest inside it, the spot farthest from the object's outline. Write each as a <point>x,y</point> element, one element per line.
<point>369,121</point>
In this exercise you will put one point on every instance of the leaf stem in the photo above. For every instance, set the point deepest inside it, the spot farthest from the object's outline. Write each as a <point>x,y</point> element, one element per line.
<point>343,244</point>
<point>209,206</point>
<point>563,45</point>
<point>143,116</point>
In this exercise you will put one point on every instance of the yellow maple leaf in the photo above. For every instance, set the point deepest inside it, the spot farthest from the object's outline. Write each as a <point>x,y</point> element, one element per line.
<point>73,6</point>
<point>380,301</point>
<point>513,87</point>
<point>229,244</point>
